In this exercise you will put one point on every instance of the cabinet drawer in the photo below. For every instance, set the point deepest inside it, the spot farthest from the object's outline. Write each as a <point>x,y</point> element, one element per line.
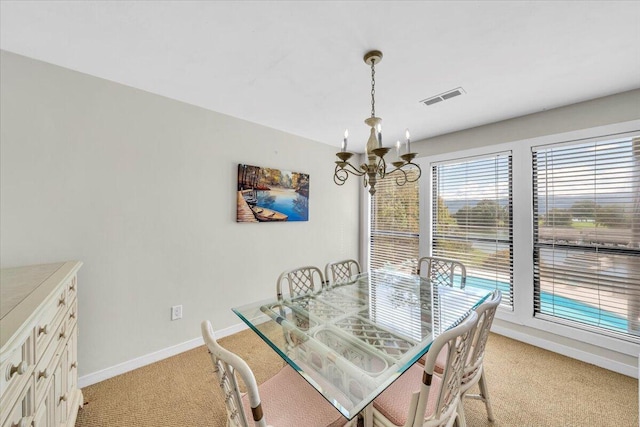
<point>47,364</point>
<point>72,358</point>
<point>21,415</point>
<point>49,322</point>
<point>16,368</point>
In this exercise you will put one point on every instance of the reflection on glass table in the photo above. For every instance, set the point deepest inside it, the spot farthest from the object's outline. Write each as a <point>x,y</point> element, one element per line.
<point>352,340</point>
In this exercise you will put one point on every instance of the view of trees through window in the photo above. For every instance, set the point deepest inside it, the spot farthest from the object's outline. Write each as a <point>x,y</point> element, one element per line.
<point>395,225</point>
<point>472,220</point>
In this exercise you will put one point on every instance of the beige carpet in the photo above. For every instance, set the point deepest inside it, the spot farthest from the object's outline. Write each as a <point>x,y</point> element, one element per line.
<point>528,386</point>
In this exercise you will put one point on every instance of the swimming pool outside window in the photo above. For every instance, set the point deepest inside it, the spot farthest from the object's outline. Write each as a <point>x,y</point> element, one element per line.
<point>586,203</point>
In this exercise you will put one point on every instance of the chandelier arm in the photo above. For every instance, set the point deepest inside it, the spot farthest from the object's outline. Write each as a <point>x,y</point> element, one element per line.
<point>415,167</point>
<point>340,176</point>
<point>342,171</point>
<point>404,178</point>
<point>353,170</point>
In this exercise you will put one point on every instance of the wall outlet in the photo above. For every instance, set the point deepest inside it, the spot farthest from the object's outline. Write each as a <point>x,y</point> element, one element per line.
<point>176,312</point>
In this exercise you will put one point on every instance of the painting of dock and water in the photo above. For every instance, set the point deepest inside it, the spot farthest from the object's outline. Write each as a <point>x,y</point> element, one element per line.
<point>271,195</point>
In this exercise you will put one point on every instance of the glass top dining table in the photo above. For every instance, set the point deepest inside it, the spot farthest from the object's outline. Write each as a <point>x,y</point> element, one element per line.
<point>350,341</point>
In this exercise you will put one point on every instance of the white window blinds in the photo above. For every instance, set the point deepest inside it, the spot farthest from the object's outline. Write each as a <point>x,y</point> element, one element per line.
<point>472,220</point>
<point>587,235</point>
<point>395,225</point>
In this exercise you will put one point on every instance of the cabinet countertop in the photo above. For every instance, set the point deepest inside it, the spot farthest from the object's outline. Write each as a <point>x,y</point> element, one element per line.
<point>24,289</point>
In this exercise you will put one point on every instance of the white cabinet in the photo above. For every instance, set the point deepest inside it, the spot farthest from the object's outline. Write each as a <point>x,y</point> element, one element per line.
<point>38,353</point>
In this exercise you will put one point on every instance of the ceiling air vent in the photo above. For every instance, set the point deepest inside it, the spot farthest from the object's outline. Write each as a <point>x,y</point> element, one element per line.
<point>443,96</point>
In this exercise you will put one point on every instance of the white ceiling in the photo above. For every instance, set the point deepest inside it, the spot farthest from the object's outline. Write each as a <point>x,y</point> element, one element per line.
<point>297,66</point>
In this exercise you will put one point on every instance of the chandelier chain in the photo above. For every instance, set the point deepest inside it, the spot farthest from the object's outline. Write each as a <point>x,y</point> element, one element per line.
<point>373,88</point>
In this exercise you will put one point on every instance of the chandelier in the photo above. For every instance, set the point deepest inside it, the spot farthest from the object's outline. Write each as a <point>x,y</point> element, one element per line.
<point>376,166</point>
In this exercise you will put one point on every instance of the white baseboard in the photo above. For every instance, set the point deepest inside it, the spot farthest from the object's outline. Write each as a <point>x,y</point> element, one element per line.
<point>583,356</point>
<point>147,359</point>
<point>150,358</point>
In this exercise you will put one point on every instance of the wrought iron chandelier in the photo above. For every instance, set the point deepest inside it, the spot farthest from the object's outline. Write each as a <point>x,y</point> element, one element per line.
<point>376,166</point>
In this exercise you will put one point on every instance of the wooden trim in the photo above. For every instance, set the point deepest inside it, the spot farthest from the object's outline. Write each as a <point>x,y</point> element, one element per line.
<point>257,412</point>
<point>426,378</point>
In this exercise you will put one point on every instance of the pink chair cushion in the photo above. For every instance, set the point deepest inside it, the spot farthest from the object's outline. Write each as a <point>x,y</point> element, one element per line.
<point>441,361</point>
<point>394,402</point>
<point>288,400</point>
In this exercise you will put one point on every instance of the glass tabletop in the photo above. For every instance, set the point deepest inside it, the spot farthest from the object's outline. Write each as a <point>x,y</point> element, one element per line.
<point>352,340</point>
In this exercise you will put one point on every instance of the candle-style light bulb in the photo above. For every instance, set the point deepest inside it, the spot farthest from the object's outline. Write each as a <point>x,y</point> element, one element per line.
<point>406,133</point>
<point>379,130</point>
<point>344,141</point>
<point>398,148</point>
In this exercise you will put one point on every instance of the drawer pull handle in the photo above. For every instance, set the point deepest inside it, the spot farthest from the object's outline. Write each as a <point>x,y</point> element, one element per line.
<point>63,398</point>
<point>72,315</point>
<point>43,374</point>
<point>43,330</point>
<point>61,301</point>
<point>73,365</point>
<point>72,287</point>
<point>62,335</point>
<point>19,369</point>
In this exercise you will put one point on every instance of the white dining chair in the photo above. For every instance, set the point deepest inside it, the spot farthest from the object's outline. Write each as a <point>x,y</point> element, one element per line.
<point>300,281</point>
<point>442,271</point>
<point>341,271</point>
<point>422,397</point>
<point>474,368</point>
<point>284,400</point>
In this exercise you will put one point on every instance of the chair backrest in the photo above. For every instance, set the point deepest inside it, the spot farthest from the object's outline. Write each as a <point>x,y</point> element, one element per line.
<point>442,271</point>
<point>300,281</point>
<point>486,313</point>
<point>341,271</point>
<point>226,364</point>
<point>455,343</point>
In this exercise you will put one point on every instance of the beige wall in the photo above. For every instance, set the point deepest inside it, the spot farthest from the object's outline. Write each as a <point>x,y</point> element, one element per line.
<point>141,188</point>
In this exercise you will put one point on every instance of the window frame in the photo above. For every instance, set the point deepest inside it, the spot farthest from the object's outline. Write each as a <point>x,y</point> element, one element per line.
<point>538,246</point>
<point>521,323</point>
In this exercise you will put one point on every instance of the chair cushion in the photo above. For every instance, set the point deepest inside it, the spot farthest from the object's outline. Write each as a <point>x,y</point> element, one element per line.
<point>441,361</point>
<point>394,402</point>
<point>289,401</point>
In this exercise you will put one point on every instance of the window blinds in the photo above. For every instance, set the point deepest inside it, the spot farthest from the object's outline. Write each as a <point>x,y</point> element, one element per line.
<point>586,205</point>
<point>395,224</point>
<point>472,219</point>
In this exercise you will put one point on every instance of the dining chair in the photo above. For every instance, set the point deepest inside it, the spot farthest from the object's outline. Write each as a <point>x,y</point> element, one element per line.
<point>442,271</point>
<point>341,271</point>
<point>474,368</point>
<point>423,397</point>
<point>284,400</point>
<point>300,281</point>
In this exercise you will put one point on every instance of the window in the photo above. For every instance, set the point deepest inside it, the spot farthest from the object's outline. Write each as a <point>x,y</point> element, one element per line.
<point>394,238</point>
<point>472,219</point>
<point>586,206</point>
